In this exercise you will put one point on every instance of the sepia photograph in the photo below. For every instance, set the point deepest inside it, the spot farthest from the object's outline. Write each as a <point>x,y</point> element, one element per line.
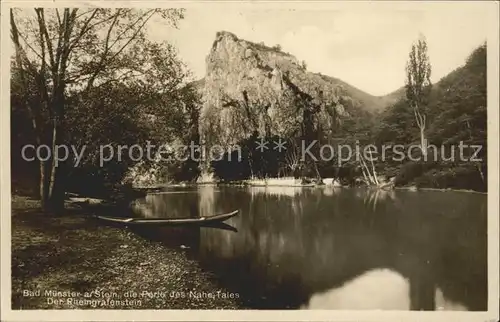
<point>231,159</point>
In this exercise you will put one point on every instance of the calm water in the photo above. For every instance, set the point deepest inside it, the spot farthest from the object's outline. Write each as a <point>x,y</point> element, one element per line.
<point>325,248</point>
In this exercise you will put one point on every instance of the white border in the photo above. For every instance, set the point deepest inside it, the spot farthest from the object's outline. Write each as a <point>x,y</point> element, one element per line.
<point>492,21</point>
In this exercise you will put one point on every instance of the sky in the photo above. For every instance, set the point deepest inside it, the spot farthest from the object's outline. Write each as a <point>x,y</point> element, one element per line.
<point>365,46</point>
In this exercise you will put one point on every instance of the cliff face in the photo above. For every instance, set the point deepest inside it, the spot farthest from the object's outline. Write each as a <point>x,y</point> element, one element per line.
<point>251,87</point>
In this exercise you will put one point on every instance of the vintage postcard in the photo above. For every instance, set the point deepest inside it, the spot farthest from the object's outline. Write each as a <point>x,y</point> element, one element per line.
<point>249,160</point>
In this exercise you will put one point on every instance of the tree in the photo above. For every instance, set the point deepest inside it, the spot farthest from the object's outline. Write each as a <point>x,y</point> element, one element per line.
<point>460,110</point>
<point>60,52</point>
<point>277,47</point>
<point>418,86</point>
<point>292,157</point>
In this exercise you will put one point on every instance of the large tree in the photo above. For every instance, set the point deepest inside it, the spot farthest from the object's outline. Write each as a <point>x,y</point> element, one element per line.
<point>418,86</point>
<point>60,52</point>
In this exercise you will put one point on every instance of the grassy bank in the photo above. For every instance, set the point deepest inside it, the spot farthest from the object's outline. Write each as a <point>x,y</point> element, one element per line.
<point>103,266</point>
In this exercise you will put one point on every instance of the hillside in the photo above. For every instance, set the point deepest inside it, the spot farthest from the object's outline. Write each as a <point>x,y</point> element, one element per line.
<point>367,101</point>
<point>391,98</point>
<point>456,114</point>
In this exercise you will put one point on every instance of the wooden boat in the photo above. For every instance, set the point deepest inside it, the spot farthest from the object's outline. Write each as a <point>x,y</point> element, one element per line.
<point>171,221</point>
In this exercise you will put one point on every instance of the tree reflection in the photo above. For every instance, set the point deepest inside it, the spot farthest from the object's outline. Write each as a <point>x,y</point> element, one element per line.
<point>291,246</point>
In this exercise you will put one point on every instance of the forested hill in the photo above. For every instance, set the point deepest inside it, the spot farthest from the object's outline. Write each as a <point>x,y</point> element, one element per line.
<point>456,113</point>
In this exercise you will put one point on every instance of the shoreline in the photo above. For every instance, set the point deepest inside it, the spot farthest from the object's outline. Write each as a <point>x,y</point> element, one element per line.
<point>77,255</point>
<point>246,184</point>
<point>443,190</point>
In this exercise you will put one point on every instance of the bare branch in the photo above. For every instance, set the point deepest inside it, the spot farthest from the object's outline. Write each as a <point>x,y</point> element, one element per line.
<point>133,37</point>
<point>41,77</point>
<point>20,56</point>
<point>105,52</point>
<point>27,43</point>
<point>135,34</point>
<point>84,30</point>
<point>84,13</point>
<point>58,18</point>
<point>118,38</point>
<point>43,28</point>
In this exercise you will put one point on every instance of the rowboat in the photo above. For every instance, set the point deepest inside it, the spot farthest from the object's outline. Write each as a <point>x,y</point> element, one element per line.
<point>171,221</point>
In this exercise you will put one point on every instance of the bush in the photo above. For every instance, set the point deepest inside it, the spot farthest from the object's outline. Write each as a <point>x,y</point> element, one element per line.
<point>411,170</point>
<point>459,177</point>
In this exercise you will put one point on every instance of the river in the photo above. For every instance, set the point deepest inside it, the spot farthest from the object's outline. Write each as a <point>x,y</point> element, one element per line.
<point>330,248</point>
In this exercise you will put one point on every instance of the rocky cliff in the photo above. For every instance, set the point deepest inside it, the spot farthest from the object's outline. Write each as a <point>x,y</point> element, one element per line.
<point>251,87</point>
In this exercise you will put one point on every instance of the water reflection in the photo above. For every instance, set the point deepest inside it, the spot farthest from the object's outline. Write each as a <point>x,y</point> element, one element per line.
<point>336,248</point>
<point>177,204</point>
<point>277,191</point>
<point>363,293</point>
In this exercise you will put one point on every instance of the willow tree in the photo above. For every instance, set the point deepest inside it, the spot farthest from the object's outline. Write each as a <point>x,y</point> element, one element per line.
<point>73,49</point>
<point>418,86</point>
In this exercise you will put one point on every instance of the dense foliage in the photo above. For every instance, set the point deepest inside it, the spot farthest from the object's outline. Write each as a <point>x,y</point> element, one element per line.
<point>73,85</point>
<point>456,113</point>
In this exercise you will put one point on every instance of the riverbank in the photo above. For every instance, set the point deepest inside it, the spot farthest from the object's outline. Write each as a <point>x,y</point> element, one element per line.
<point>413,188</point>
<point>95,266</point>
<point>277,182</point>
